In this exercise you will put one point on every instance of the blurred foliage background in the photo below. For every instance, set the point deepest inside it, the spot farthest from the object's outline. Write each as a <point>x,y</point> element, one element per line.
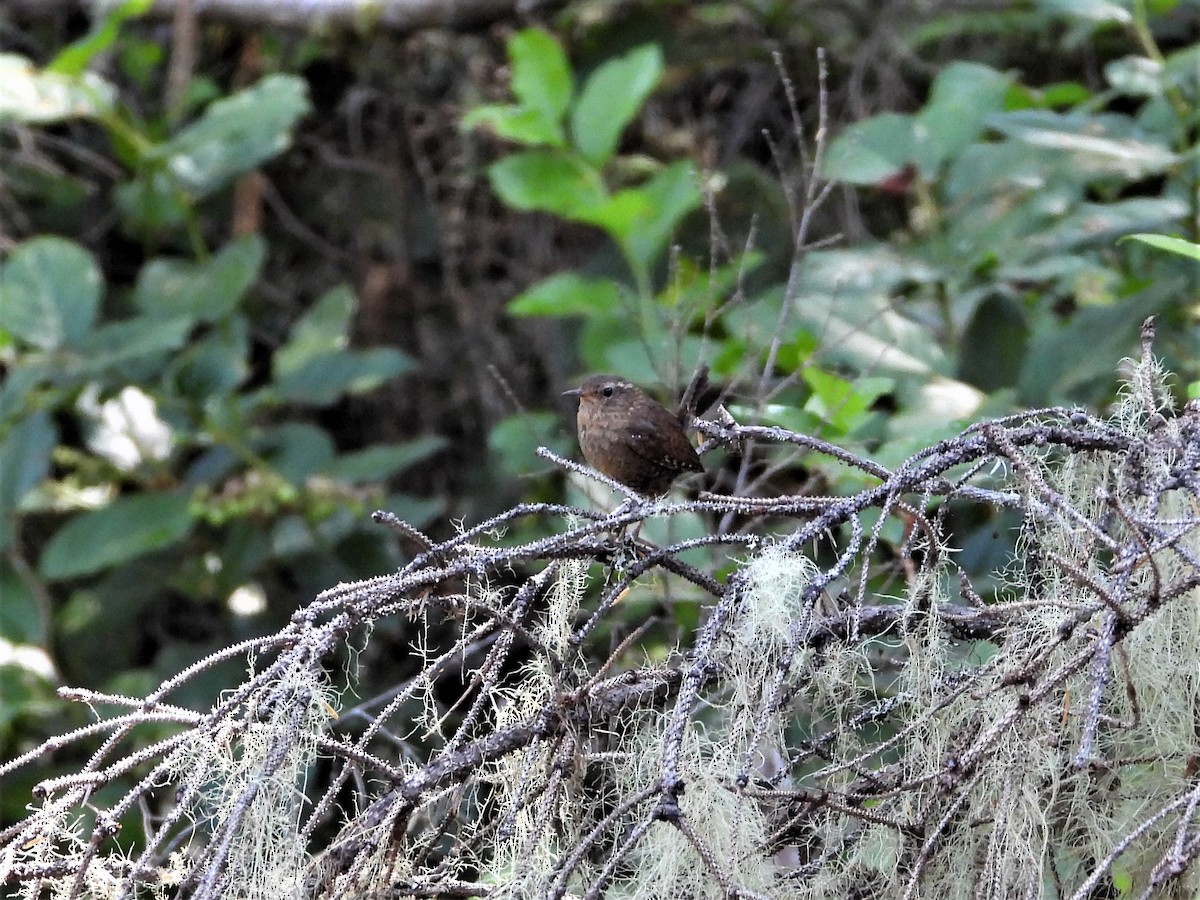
<point>259,282</point>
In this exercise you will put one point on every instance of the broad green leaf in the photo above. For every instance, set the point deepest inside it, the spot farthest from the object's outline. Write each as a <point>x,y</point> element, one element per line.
<point>139,60</point>
<point>1096,145</point>
<point>845,298</point>
<point>74,58</point>
<point>514,442</point>
<point>839,402</point>
<point>151,203</point>
<point>109,346</point>
<point>200,292</point>
<point>1049,96</point>
<point>321,331</point>
<point>1103,222</point>
<point>541,82</point>
<point>99,616</point>
<point>1027,190</point>
<point>611,98</point>
<point>21,619</point>
<point>236,134</point>
<point>1182,66</point>
<point>541,78</point>
<point>1066,362</point>
<point>314,368</point>
<point>870,151</point>
<point>547,181</point>
<point>297,451</point>
<point>619,214</point>
<point>30,96</point>
<point>1100,11</point>
<point>383,460</point>
<point>963,95</point>
<point>517,123</point>
<point>26,692</point>
<point>645,226</point>
<point>125,529</point>
<point>24,462</point>
<point>993,345</point>
<point>641,359</point>
<point>694,285</point>
<point>875,269</point>
<point>568,294</point>
<point>1170,244</point>
<point>1137,76</point>
<point>19,382</point>
<point>49,292</point>
<point>215,365</point>
<point>324,379</point>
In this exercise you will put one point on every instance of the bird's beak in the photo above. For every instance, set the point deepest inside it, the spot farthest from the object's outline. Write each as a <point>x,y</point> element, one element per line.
<point>573,392</point>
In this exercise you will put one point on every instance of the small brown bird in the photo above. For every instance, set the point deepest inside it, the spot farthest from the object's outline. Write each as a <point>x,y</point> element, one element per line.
<point>630,437</point>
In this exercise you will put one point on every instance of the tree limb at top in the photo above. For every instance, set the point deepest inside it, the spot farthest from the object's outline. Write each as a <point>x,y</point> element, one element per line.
<point>401,15</point>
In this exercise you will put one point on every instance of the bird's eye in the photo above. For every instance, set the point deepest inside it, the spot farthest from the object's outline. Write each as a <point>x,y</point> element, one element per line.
<point>608,390</point>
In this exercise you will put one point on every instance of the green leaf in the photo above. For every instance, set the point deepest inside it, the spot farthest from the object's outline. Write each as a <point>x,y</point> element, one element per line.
<point>845,296</point>
<point>644,219</point>
<point>111,345</point>
<point>1103,222</point>
<point>840,403</point>
<point>19,382</point>
<point>868,152</point>
<point>25,693</point>
<point>517,123</point>
<point>151,203</point>
<point>1136,76</point>
<point>21,619</point>
<point>1066,363</point>
<point>125,529</point>
<point>611,98</point>
<point>24,462</point>
<point>29,96</point>
<point>49,292</point>
<point>200,292</point>
<point>139,60</point>
<point>1170,244</point>
<point>324,379</point>
<point>618,215</point>
<point>568,294</point>
<point>314,368</point>
<point>542,83</point>
<point>640,358</point>
<point>993,344</point>
<point>515,439</point>
<point>541,76</point>
<point>547,181</point>
<point>1102,11</point>
<point>1094,145</point>
<point>382,460</point>
<point>695,286</point>
<point>236,134</point>
<point>963,95</point>
<point>321,331</point>
<point>297,451</point>
<point>74,58</point>
<point>215,366</point>
<point>1000,217</point>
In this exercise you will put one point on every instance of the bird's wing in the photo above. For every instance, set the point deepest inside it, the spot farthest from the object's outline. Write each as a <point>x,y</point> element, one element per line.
<point>657,438</point>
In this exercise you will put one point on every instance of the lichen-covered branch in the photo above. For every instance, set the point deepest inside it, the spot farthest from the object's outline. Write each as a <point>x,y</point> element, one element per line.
<point>837,722</point>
